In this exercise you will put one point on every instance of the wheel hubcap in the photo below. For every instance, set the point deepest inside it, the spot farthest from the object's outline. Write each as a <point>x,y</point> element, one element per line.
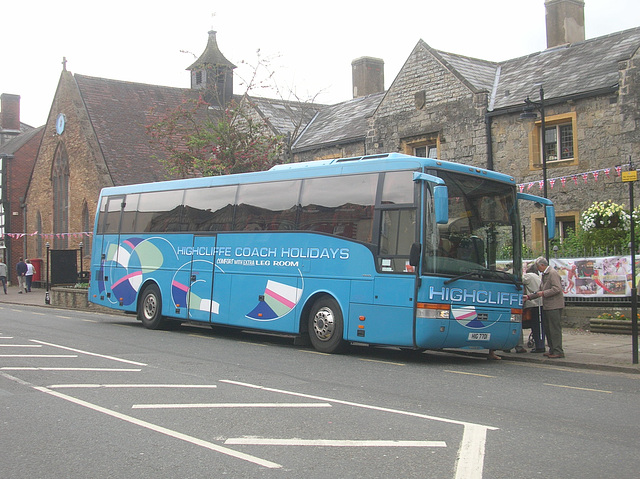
<point>324,324</point>
<point>150,307</point>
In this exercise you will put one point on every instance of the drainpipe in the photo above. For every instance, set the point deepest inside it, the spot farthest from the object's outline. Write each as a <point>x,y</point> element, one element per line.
<point>487,124</point>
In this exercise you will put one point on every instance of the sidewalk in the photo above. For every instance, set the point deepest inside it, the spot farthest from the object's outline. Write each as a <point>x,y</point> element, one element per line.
<point>583,349</point>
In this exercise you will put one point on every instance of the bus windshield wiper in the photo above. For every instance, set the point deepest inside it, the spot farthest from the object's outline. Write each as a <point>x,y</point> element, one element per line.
<point>464,275</point>
<point>483,272</point>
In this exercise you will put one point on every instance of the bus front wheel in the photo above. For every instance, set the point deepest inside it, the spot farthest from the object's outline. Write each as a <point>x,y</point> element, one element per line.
<point>150,309</point>
<point>326,326</point>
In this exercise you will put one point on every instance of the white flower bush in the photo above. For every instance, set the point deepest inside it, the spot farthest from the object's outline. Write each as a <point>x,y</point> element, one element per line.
<point>607,214</point>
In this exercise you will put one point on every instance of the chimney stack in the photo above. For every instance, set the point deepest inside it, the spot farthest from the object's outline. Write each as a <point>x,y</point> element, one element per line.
<point>9,112</point>
<point>565,22</point>
<point>367,76</point>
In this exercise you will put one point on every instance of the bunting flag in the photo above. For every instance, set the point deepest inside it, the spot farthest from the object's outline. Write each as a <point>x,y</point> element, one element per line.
<point>77,235</point>
<point>563,179</point>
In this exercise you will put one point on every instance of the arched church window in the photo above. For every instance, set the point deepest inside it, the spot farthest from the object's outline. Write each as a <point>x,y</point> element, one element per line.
<point>60,184</point>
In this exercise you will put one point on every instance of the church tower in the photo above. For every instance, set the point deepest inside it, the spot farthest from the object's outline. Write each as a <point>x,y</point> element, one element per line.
<point>213,73</point>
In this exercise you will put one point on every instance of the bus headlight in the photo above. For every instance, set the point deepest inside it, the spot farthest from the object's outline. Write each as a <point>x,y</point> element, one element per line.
<point>516,315</point>
<point>433,311</point>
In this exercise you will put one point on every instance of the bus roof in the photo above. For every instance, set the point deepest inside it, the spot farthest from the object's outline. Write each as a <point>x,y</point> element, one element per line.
<point>310,169</point>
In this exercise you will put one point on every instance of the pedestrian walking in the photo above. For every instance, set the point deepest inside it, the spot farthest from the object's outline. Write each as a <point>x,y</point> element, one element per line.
<point>552,305</point>
<point>21,270</point>
<point>3,275</point>
<point>29,275</point>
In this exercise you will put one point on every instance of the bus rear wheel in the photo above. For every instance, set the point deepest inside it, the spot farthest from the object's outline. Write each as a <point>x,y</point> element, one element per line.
<point>150,308</point>
<point>326,326</point>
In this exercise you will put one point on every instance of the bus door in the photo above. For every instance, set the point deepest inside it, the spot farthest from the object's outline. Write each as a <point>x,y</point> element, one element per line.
<point>199,297</point>
<point>110,228</point>
<point>113,263</point>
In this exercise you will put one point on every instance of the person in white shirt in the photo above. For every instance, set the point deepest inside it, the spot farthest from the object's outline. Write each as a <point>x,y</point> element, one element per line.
<point>3,276</point>
<point>29,276</point>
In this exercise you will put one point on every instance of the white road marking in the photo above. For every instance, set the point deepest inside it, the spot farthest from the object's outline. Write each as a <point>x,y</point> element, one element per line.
<point>163,430</point>
<point>113,370</point>
<point>470,460</point>
<point>173,386</point>
<point>468,374</point>
<point>252,441</point>
<point>88,353</point>
<point>580,389</point>
<point>20,345</point>
<point>383,362</point>
<point>229,405</point>
<point>38,355</point>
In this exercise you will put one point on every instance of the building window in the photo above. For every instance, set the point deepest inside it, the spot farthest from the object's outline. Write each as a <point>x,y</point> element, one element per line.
<point>565,224</point>
<point>425,146</point>
<point>198,78</point>
<point>60,183</point>
<point>560,141</point>
<point>86,227</point>
<point>427,151</point>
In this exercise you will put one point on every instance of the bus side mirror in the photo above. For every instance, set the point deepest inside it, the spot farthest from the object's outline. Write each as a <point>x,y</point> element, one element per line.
<point>441,204</point>
<point>414,255</point>
<point>551,221</point>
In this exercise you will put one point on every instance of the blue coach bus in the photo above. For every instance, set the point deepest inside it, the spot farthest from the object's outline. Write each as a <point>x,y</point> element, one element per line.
<point>384,250</point>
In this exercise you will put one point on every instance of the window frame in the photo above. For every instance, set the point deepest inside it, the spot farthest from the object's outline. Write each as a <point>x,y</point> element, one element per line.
<point>428,141</point>
<point>536,138</point>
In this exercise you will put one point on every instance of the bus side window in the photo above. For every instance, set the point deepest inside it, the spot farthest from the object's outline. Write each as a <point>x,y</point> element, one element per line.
<point>209,209</point>
<point>267,206</point>
<point>159,211</point>
<point>339,205</point>
<point>397,234</point>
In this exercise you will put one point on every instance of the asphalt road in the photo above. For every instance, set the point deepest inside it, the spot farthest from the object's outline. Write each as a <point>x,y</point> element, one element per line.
<point>96,395</point>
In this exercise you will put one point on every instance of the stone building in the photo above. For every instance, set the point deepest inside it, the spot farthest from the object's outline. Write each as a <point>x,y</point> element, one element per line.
<point>469,110</point>
<point>440,105</point>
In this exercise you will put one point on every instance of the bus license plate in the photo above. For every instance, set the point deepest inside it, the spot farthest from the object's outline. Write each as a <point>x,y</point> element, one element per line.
<point>479,336</point>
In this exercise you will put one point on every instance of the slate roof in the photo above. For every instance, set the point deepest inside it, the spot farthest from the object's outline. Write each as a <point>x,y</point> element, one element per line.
<point>579,68</point>
<point>341,123</point>
<point>286,118</point>
<point>119,112</point>
<point>14,144</point>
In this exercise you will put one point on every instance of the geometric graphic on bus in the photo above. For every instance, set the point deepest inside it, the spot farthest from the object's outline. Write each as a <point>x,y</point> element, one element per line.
<point>125,265</point>
<point>196,295</point>
<point>467,316</point>
<point>279,299</point>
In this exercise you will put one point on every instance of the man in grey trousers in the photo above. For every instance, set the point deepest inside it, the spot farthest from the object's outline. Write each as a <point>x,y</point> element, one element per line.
<point>552,305</point>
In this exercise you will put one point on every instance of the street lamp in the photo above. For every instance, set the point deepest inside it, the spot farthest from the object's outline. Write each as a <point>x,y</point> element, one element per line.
<point>81,257</point>
<point>527,114</point>
<point>47,298</point>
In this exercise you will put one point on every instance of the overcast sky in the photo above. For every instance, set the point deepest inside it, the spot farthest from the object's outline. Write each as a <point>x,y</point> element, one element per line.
<point>308,45</point>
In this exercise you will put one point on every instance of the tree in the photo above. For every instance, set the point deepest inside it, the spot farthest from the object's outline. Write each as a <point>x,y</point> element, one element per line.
<point>205,140</point>
<point>209,135</point>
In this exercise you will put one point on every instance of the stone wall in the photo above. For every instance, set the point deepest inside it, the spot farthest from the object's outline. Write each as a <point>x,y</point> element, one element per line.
<point>75,298</point>
<point>428,100</point>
